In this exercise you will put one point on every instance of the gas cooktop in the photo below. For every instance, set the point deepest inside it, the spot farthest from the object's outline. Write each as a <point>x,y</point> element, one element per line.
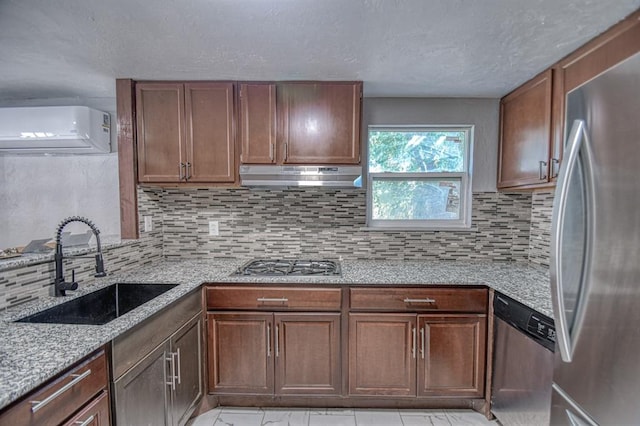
<point>283,267</point>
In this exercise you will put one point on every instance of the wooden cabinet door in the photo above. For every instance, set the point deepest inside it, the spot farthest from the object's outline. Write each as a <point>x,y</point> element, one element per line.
<point>258,123</point>
<point>186,347</point>
<point>160,131</point>
<point>142,394</point>
<point>525,134</point>
<point>382,354</point>
<point>307,353</point>
<point>320,122</point>
<point>452,355</point>
<point>210,147</point>
<point>240,353</point>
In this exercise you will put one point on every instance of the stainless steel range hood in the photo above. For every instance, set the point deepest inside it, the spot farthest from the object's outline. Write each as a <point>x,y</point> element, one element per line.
<point>282,176</point>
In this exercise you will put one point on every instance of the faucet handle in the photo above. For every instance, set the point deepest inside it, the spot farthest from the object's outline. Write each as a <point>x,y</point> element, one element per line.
<point>100,266</point>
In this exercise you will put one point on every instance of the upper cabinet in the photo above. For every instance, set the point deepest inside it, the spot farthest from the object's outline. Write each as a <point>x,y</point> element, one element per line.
<point>300,122</point>
<point>258,123</point>
<point>185,132</point>
<point>525,134</point>
<point>532,117</point>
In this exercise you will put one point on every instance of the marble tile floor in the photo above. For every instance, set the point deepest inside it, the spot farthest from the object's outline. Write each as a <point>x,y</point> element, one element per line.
<point>233,416</point>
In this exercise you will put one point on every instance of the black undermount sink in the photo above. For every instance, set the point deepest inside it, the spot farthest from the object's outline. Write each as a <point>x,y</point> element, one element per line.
<point>100,307</point>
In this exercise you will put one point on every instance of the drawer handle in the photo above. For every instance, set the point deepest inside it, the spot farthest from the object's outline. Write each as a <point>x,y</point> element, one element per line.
<point>427,300</point>
<point>273,299</point>
<point>277,341</point>
<point>422,344</point>
<point>37,405</point>
<point>85,423</point>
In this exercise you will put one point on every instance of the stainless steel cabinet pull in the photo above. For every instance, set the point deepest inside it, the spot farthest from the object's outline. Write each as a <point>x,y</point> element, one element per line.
<point>85,423</point>
<point>422,343</point>
<point>413,348</point>
<point>286,151</point>
<point>427,300</point>
<point>273,299</point>
<point>542,170</point>
<point>172,376</point>
<point>37,405</point>
<point>188,176</point>
<point>271,151</point>
<point>277,341</point>
<point>180,169</point>
<point>268,340</point>
<point>179,368</point>
<point>555,163</point>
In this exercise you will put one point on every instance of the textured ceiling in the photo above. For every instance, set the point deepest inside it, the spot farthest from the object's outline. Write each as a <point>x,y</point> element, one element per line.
<point>475,48</point>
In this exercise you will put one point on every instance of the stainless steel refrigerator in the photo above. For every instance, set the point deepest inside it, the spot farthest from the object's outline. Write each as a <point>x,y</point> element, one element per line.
<point>595,254</point>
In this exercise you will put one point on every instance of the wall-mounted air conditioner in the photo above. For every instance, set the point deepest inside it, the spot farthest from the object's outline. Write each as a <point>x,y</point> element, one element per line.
<point>54,130</point>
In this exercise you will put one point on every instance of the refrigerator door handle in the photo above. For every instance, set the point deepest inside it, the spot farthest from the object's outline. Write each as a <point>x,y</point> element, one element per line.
<point>566,170</point>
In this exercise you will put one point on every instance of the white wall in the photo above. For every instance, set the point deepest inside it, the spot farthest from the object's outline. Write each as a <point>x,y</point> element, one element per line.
<point>482,113</point>
<point>37,192</point>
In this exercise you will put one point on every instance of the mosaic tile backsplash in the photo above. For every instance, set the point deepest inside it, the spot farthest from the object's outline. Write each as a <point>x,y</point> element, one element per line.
<point>299,223</point>
<point>23,284</point>
<point>540,234</point>
<point>329,223</point>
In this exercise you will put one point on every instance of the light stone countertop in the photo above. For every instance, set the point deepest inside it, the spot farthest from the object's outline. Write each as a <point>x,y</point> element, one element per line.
<point>30,354</point>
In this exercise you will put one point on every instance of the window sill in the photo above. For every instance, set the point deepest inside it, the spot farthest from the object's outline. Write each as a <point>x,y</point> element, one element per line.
<point>417,229</point>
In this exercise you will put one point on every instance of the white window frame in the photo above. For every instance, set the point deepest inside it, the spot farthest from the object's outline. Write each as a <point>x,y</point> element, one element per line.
<point>464,222</point>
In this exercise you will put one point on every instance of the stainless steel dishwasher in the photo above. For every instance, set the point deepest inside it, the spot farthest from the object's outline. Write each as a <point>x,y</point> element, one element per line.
<point>522,364</point>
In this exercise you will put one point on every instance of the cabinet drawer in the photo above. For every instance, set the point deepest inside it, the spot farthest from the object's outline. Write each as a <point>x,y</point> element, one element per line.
<point>419,299</point>
<point>96,413</point>
<point>274,298</point>
<point>59,399</point>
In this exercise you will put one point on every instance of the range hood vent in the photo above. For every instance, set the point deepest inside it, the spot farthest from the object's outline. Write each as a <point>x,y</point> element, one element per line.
<point>54,130</point>
<point>284,176</point>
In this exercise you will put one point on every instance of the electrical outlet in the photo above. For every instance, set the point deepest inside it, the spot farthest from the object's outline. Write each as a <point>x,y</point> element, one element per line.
<point>148,223</point>
<point>213,228</point>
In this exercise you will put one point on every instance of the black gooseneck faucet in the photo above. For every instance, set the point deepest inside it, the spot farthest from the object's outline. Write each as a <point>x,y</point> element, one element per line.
<point>60,284</point>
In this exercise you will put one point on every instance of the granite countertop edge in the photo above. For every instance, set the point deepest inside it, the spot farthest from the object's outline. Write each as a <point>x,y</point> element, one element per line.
<point>31,354</point>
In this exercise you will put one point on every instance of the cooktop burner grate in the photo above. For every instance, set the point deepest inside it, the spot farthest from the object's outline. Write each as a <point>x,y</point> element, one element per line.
<point>281,267</point>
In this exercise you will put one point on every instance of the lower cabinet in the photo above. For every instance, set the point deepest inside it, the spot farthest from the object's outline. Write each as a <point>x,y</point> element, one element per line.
<point>452,355</point>
<point>274,353</point>
<point>164,387</point>
<point>381,354</point>
<point>399,346</point>
<point>438,355</point>
<point>79,396</point>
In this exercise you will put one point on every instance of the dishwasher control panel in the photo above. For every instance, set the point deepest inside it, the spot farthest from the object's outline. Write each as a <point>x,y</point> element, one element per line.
<point>541,327</point>
<point>532,323</point>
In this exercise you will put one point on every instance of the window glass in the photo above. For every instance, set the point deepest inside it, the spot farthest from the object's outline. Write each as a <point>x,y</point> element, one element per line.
<point>416,151</point>
<point>395,199</point>
<point>419,177</point>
